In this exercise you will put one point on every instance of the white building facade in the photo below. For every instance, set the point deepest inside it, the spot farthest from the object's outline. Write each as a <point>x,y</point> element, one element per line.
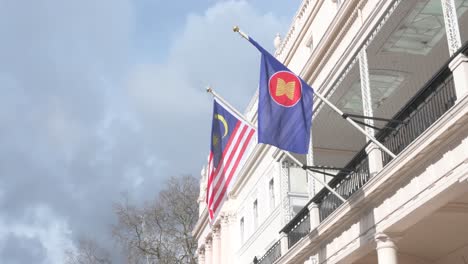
<point>403,65</point>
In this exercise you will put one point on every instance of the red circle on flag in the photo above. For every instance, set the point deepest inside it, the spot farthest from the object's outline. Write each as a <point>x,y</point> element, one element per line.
<point>285,88</point>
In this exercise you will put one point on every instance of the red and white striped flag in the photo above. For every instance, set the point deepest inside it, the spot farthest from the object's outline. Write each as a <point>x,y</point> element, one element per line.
<point>231,140</point>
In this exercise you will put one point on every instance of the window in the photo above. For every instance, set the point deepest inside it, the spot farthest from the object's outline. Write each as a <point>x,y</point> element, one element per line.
<point>242,230</point>
<point>271,190</point>
<point>255,214</point>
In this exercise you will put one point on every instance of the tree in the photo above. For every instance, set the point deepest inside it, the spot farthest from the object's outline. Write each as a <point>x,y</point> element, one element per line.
<point>88,252</point>
<point>160,231</point>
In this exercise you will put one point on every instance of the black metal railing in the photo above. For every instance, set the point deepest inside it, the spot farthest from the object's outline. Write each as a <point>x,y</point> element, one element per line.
<point>346,183</point>
<point>300,228</point>
<point>428,105</point>
<point>272,254</point>
<point>437,96</point>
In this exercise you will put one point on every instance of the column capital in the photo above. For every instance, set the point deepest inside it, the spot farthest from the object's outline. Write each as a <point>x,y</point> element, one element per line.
<point>216,232</point>
<point>224,220</point>
<point>385,241</point>
<point>208,244</point>
<point>201,250</point>
<point>201,255</point>
<point>285,163</point>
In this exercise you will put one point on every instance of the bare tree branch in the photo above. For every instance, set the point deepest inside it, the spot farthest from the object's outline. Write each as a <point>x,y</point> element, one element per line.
<point>160,231</point>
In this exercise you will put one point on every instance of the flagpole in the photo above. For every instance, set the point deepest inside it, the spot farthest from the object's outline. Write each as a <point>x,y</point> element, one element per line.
<point>347,118</point>
<point>289,155</point>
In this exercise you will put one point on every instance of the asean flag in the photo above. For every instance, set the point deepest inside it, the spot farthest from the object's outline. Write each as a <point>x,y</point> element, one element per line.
<point>284,106</point>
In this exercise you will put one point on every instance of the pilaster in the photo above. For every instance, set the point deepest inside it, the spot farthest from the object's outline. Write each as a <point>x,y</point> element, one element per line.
<point>310,177</point>
<point>225,239</point>
<point>285,202</point>
<point>201,256</point>
<point>209,251</point>
<point>374,154</point>
<point>284,244</point>
<point>459,68</point>
<point>314,215</point>
<point>216,254</point>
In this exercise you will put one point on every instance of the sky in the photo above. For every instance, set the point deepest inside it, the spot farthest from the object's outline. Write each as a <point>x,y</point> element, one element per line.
<point>105,98</point>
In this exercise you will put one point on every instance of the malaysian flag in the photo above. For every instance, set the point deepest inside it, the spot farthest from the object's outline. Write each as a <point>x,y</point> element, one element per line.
<point>230,140</point>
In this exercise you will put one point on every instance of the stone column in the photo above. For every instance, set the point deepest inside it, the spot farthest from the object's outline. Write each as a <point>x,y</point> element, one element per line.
<point>459,68</point>
<point>225,239</point>
<point>201,256</point>
<point>234,243</point>
<point>373,151</point>
<point>216,245</point>
<point>314,215</point>
<point>386,249</point>
<point>209,251</point>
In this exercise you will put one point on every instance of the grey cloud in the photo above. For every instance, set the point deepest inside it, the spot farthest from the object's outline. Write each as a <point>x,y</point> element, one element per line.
<point>19,250</point>
<point>80,123</point>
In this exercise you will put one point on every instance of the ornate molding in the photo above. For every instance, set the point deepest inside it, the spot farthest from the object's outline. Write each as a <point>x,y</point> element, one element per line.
<point>216,232</point>
<point>294,29</point>
<point>451,25</point>
<point>366,90</point>
<point>208,244</point>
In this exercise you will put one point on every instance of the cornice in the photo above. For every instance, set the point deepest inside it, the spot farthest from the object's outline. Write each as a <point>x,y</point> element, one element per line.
<point>297,30</point>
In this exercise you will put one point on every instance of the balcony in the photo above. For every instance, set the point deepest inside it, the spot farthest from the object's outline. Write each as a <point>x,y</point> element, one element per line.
<point>426,107</point>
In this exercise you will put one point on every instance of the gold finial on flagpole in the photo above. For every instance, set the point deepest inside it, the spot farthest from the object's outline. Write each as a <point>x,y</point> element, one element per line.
<point>237,29</point>
<point>209,89</point>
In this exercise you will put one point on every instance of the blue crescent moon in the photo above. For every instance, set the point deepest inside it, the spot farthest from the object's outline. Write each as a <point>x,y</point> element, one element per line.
<point>221,118</point>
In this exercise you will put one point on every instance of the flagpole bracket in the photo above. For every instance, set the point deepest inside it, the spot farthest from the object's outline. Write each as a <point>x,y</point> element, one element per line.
<point>327,168</point>
<point>345,115</point>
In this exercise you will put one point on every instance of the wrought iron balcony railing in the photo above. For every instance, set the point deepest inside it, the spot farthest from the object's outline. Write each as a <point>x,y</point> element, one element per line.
<point>437,96</point>
<point>300,228</point>
<point>346,182</point>
<point>271,255</point>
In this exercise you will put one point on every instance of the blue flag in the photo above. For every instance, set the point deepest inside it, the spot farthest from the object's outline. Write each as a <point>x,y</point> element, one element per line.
<point>284,106</point>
